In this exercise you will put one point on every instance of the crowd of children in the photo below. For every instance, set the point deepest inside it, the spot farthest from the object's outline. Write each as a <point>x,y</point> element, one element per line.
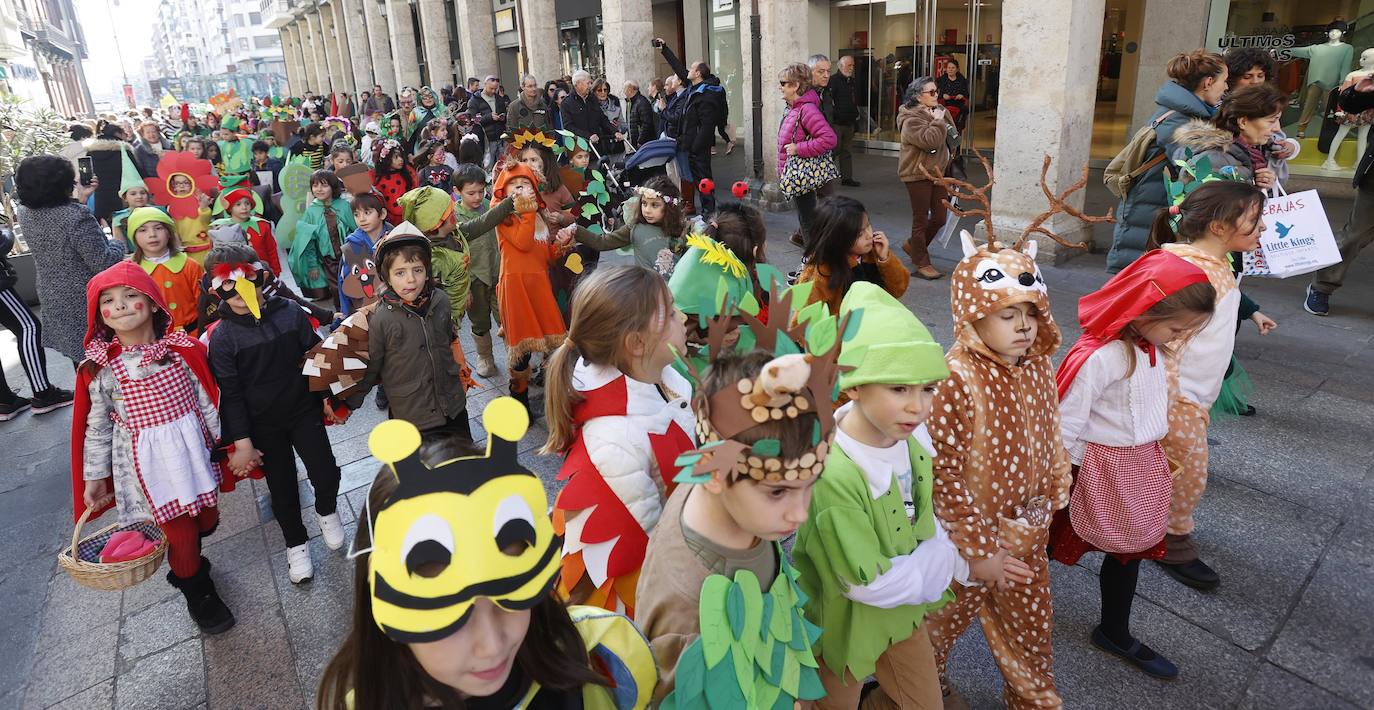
<point>704,410</point>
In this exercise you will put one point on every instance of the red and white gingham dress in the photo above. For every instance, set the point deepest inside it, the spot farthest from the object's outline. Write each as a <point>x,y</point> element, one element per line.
<point>158,400</point>
<point>1119,504</point>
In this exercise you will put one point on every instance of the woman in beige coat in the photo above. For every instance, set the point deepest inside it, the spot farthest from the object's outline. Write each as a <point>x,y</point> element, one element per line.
<point>923,124</point>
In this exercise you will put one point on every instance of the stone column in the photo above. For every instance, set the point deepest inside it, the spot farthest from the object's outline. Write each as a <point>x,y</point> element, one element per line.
<point>342,52</point>
<point>784,25</point>
<point>379,41</point>
<point>540,43</point>
<point>288,51</point>
<point>434,26</point>
<point>1169,27</point>
<point>333,63</point>
<point>403,51</point>
<point>476,39</point>
<point>351,25</point>
<point>1041,94</point>
<point>627,29</point>
<point>319,57</point>
<point>304,58</point>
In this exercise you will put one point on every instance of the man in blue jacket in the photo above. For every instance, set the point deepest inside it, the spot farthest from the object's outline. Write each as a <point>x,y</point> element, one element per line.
<point>705,112</point>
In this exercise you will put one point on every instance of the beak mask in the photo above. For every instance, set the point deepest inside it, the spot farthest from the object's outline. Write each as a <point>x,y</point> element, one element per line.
<point>229,280</point>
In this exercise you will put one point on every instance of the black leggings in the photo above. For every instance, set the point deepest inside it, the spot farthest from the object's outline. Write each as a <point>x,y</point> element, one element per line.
<point>28,335</point>
<point>1117,582</point>
<point>307,436</point>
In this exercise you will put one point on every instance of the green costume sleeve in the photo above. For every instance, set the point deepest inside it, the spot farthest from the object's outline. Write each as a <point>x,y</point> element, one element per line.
<point>844,531</point>
<point>480,226</point>
<point>605,242</point>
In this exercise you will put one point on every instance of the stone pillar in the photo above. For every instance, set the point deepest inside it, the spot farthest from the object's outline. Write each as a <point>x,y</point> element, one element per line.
<point>434,25</point>
<point>540,43</point>
<point>304,57</point>
<point>627,30</point>
<point>343,54</point>
<point>379,41</point>
<point>351,26</point>
<point>476,39</point>
<point>784,25</point>
<point>1041,94</point>
<point>319,57</point>
<point>1169,27</point>
<point>288,50</point>
<point>403,53</point>
<point>333,64</point>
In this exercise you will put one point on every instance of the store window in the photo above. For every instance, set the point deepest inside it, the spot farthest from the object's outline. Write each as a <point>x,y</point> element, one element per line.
<point>724,53</point>
<point>1318,48</point>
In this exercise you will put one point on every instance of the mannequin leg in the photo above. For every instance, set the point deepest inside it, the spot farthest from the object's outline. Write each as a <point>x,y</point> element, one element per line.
<point>1312,97</point>
<point>1330,162</point>
<point>1361,142</point>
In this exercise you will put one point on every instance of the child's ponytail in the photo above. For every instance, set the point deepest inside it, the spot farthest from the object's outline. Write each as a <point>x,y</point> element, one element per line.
<point>607,306</point>
<point>1225,201</point>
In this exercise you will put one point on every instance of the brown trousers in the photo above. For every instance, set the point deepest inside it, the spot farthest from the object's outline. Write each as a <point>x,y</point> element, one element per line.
<point>906,680</point>
<point>1017,624</point>
<point>928,215</point>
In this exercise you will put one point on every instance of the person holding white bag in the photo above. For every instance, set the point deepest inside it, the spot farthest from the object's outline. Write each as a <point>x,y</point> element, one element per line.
<point>1359,229</point>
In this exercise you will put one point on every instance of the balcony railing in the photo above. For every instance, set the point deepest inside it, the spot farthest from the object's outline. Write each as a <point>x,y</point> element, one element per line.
<point>277,13</point>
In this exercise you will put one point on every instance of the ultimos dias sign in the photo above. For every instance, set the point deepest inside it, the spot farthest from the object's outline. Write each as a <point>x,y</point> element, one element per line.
<point>1279,45</point>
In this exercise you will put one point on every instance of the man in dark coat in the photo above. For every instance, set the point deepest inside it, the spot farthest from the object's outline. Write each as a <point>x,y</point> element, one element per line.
<point>705,113</point>
<point>489,108</point>
<point>639,115</point>
<point>1358,232</point>
<point>582,113</point>
<point>844,118</point>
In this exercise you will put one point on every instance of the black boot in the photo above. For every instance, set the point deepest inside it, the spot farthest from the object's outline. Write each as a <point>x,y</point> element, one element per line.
<point>520,388</point>
<point>202,601</point>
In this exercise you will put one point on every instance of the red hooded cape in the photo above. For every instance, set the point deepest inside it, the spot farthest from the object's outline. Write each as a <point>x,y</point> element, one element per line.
<point>1127,296</point>
<point>125,273</point>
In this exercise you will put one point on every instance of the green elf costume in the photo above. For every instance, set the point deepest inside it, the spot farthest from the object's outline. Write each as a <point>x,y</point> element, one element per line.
<point>872,558</point>
<point>429,208</point>
<point>129,178</point>
<point>727,626</point>
<point>237,155</point>
<point>484,268</point>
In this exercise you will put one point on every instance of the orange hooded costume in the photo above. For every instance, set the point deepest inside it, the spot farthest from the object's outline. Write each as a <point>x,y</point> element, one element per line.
<point>529,312</point>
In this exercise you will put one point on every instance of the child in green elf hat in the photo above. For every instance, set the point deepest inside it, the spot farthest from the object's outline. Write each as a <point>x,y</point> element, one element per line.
<point>242,206</point>
<point>134,192</point>
<point>873,558</point>
<point>477,220</point>
<point>158,251</point>
<point>236,154</point>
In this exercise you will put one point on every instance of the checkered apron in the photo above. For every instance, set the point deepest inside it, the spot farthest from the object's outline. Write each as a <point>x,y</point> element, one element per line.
<point>170,441</point>
<point>1120,501</point>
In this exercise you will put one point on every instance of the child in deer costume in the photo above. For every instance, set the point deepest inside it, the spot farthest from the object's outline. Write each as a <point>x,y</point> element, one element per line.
<point>1000,466</point>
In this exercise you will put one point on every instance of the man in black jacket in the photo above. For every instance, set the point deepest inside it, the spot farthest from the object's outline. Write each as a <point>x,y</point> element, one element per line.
<point>844,118</point>
<point>639,115</point>
<point>582,113</point>
<point>705,113</point>
<point>1358,232</point>
<point>489,108</point>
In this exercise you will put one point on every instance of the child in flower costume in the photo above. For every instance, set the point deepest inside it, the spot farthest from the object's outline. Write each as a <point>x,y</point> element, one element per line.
<point>183,185</point>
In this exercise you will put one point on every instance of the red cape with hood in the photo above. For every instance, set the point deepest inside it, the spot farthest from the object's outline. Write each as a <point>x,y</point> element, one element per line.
<point>1127,296</point>
<point>126,273</point>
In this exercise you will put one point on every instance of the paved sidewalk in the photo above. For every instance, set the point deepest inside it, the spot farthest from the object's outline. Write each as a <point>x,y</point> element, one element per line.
<point>1286,520</point>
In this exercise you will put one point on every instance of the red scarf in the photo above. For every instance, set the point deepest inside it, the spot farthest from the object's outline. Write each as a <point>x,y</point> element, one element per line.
<point>1106,312</point>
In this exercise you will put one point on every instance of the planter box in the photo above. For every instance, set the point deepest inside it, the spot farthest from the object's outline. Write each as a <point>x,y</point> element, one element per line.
<point>28,277</point>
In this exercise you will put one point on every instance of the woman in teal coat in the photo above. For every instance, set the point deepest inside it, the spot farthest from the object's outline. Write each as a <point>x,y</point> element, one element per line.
<point>1194,90</point>
<point>320,232</point>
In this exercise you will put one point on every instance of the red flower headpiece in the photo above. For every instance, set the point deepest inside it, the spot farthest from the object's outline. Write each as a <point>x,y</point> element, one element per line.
<point>197,170</point>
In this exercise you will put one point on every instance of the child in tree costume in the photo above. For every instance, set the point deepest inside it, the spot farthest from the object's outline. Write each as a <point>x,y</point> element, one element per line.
<point>874,559</point>
<point>258,230</point>
<point>236,155</point>
<point>726,620</point>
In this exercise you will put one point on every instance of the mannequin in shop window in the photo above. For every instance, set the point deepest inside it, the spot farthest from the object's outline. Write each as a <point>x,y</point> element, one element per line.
<point>1326,64</point>
<point>1359,121</point>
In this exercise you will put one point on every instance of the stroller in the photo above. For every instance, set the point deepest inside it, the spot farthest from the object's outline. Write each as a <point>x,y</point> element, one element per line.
<point>651,159</point>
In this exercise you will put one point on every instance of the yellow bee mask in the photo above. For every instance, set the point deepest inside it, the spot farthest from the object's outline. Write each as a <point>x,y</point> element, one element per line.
<point>467,528</point>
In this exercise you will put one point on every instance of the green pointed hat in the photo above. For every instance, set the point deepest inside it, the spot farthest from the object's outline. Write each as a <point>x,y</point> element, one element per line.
<point>230,123</point>
<point>426,207</point>
<point>707,277</point>
<point>891,346</point>
<point>129,176</point>
<point>144,215</point>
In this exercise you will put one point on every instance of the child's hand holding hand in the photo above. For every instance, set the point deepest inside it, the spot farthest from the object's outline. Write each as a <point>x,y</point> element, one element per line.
<point>97,494</point>
<point>564,238</point>
<point>244,458</point>
<point>880,248</point>
<point>1000,571</point>
<point>1264,323</point>
<point>526,205</point>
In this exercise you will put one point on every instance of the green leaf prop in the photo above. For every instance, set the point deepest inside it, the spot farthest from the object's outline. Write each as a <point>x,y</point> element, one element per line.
<point>295,194</point>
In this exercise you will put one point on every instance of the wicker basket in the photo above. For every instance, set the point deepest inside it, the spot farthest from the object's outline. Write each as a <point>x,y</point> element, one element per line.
<point>82,561</point>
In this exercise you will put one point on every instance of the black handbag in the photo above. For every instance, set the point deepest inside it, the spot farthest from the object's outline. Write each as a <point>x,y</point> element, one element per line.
<point>954,142</point>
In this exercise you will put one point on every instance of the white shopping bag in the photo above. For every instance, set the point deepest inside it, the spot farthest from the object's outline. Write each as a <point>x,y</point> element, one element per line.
<point>1297,237</point>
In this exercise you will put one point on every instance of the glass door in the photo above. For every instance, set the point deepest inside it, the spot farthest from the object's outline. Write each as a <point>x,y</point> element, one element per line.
<point>961,49</point>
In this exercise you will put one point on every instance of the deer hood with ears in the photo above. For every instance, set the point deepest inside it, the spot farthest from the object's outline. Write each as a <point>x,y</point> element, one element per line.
<point>991,277</point>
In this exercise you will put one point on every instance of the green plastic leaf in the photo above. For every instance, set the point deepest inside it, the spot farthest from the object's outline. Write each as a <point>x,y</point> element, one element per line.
<point>723,689</point>
<point>598,177</point>
<point>851,328</point>
<point>813,312</point>
<point>801,293</point>
<point>722,295</point>
<point>785,346</point>
<point>589,211</point>
<point>766,447</point>
<point>769,275</point>
<point>595,228</point>
<point>820,336</point>
<point>715,629</point>
<point>750,304</point>
<point>734,610</point>
<point>603,198</point>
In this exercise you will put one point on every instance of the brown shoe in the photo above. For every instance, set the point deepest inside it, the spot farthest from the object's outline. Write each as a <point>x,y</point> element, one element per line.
<point>927,272</point>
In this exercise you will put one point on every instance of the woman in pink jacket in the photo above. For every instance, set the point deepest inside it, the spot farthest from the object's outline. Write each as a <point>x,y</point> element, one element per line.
<point>804,132</point>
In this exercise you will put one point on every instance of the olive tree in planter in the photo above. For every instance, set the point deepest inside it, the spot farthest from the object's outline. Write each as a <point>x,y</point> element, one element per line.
<point>24,131</point>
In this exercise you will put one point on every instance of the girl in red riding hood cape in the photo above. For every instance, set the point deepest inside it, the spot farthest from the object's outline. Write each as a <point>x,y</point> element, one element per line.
<point>144,427</point>
<point>1114,411</point>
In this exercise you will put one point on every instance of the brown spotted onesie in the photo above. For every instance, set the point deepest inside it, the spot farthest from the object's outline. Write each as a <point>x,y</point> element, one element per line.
<point>1000,468</point>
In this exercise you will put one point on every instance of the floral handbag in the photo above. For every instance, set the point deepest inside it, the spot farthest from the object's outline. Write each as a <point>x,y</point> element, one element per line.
<point>802,175</point>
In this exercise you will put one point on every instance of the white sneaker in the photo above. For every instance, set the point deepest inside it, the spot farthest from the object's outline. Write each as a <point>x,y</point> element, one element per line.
<point>332,530</point>
<point>300,569</point>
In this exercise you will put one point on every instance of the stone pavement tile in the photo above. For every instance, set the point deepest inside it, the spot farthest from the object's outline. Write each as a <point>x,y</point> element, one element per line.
<point>238,511</point>
<point>24,589</point>
<point>1265,451</point>
<point>153,590</point>
<point>18,640</point>
<point>164,624</point>
<point>1264,549</point>
<point>358,473</point>
<point>317,613</point>
<point>243,574</point>
<point>1288,381</point>
<point>60,671</point>
<point>357,500</point>
<point>1329,638</point>
<point>172,678</point>
<point>1273,688</point>
<point>100,695</point>
<point>1353,383</point>
<point>1213,671</point>
<point>72,610</point>
<point>249,667</point>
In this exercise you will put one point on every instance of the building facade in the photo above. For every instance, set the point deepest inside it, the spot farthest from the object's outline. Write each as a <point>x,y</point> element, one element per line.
<point>41,49</point>
<point>204,48</point>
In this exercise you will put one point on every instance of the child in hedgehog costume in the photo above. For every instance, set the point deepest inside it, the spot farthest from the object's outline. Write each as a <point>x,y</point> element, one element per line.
<point>1000,465</point>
